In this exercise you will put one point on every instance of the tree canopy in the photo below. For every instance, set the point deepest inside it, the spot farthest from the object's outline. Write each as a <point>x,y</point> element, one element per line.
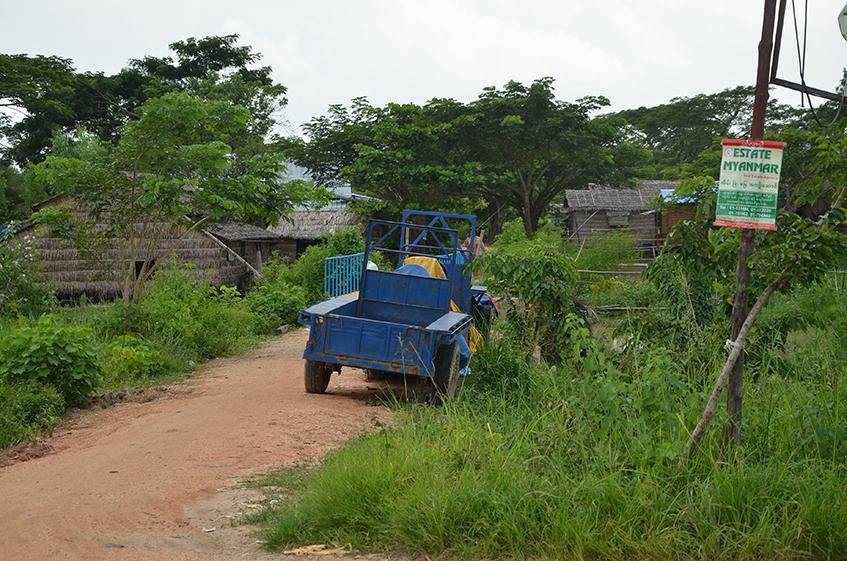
<point>48,94</point>
<point>515,148</point>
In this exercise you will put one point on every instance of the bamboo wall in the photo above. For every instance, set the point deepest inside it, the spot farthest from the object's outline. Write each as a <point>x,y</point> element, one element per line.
<point>72,272</point>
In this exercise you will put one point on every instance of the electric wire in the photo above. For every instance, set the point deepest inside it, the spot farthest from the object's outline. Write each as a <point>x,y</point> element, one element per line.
<point>801,56</point>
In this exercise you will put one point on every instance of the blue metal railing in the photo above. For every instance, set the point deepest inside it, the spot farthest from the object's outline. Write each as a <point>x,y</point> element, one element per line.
<point>342,274</point>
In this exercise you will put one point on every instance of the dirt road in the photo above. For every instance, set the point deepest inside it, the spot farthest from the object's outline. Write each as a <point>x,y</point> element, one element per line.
<point>158,480</point>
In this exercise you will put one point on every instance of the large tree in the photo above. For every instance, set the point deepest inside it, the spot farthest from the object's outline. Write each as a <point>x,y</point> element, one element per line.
<point>533,146</point>
<point>678,131</point>
<point>48,94</point>
<point>514,149</point>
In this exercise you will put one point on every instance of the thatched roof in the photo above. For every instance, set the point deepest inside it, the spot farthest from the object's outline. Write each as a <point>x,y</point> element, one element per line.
<point>240,232</point>
<point>312,224</point>
<point>602,197</point>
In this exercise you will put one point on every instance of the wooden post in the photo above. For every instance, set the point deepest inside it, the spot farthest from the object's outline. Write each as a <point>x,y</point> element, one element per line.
<point>735,390</point>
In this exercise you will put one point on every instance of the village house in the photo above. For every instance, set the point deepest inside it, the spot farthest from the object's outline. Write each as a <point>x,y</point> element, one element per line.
<point>600,209</point>
<point>227,253</point>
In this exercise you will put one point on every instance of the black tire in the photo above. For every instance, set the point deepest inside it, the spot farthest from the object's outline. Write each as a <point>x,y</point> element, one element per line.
<point>446,378</point>
<point>316,376</point>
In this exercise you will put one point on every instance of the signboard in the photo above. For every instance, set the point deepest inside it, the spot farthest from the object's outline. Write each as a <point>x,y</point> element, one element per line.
<point>749,184</point>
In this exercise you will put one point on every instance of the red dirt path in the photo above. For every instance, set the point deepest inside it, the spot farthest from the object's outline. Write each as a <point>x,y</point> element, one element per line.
<point>141,481</point>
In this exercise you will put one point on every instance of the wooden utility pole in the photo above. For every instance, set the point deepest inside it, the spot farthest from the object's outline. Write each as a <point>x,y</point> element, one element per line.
<point>735,390</point>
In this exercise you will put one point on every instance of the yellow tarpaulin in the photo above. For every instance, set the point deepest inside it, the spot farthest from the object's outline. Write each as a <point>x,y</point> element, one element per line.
<point>436,271</point>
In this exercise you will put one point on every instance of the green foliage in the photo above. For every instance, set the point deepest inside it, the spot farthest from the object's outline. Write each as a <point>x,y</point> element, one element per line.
<point>275,305</point>
<point>515,147</point>
<point>547,234</point>
<point>539,279</point>
<point>52,95</point>
<point>27,409</point>
<point>802,250</point>
<point>608,252</point>
<point>16,195</point>
<point>619,292</point>
<point>184,311</point>
<point>22,292</point>
<point>130,360</point>
<point>694,272</point>
<point>679,131</point>
<point>48,352</point>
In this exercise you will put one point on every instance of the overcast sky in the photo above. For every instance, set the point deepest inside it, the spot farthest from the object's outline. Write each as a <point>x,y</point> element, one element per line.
<point>635,52</point>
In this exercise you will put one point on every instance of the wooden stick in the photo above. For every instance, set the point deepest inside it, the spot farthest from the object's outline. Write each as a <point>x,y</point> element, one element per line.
<point>737,347</point>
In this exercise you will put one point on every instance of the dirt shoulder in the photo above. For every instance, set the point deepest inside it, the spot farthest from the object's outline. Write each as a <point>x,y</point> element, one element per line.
<point>158,480</point>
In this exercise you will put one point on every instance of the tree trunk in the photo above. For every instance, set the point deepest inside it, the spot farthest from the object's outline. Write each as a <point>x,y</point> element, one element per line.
<point>528,224</point>
<point>735,353</point>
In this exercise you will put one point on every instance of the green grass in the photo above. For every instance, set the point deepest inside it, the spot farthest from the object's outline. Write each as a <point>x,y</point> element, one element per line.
<point>579,461</point>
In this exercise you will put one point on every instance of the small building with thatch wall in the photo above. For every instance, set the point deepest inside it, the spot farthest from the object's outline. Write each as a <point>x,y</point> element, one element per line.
<point>225,253</point>
<point>600,209</point>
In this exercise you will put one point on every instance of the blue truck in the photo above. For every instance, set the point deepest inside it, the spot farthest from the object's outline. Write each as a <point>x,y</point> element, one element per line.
<point>407,321</point>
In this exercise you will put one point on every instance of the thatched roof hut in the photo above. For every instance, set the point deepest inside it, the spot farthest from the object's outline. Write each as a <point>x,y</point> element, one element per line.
<point>225,253</point>
<point>601,208</point>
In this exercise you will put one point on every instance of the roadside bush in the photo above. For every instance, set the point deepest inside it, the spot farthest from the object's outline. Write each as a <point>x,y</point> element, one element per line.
<point>184,311</point>
<point>21,290</point>
<point>48,352</point>
<point>27,409</point>
<point>129,360</point>
<point>121,319</point>
<point>538,281</point>
<point>275,305</point>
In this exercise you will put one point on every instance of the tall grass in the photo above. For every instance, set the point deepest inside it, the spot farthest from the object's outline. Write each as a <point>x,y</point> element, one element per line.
<point>579,461</point>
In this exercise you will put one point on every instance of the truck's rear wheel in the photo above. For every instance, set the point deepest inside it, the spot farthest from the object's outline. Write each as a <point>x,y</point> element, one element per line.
<point>446,378</point>
<point>316,376</point>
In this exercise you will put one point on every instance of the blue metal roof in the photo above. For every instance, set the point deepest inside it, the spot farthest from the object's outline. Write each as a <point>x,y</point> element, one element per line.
<point>669,197</point>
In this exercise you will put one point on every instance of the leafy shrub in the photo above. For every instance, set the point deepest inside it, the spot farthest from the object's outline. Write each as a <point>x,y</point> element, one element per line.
<point>539,281</point>
<point>816,305</point>
<point>274,305</point>
<point>183,310</point>
<point>129,359</point>
<point>48,352</point>
<point>21,290</point>
<point>27,409</point>
<point>547,234</point>
<point>122,318</point>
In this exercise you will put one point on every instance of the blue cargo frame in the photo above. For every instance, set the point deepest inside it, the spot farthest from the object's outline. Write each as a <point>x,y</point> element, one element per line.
<point>399,321</point>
